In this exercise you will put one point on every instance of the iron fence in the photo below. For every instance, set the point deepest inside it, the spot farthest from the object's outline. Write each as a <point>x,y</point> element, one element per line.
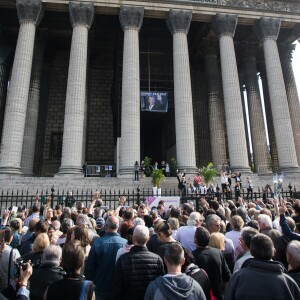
<point>110,197</point>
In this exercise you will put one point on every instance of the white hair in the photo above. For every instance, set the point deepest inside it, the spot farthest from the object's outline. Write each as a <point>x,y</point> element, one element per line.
<point>141,235</point>
<point>193,219</point>
<point>138,221</point>
<point>293,249</point>
<point>52,255</point>
<point>265,219</point>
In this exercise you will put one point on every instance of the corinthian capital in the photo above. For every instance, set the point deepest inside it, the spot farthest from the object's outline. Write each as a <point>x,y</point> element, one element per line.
<point>81,13</point>
<point>30,11</point>
<point>179,20</point>
<point>267,28</point>
<point>225,24</point>
<point>131,17</point>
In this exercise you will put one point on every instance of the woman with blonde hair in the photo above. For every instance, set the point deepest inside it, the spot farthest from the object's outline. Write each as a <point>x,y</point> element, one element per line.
<point>217,240</point>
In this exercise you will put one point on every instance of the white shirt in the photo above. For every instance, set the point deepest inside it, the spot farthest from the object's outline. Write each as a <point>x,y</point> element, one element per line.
<point>185,235</point>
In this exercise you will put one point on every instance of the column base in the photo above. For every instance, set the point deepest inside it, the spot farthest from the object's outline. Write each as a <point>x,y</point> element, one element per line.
<point>291,169</point>
<point>11,171</point>
<point>126,172</point>
<point>240,169</point>
<point>188,170</point>
<point>69,171</point>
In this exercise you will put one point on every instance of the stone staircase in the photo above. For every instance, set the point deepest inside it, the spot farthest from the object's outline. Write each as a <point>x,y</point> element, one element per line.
<point>33,184</point>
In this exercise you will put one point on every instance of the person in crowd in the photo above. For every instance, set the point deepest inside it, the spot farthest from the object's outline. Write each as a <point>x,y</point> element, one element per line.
<point>217,240</point>
<point>16,226</point>
<point>35,214</point>
<point>245,240</point>
<point>48,214</point>
<point>212,261</point>
<point>70,200</point>
<point>185,234</point>
<point>167,170</point>
<point>164,235</point>
<point>8,257</point>
<point>136,171</point>
<point>175,284</point>
<point>84,221</point>
<point>48,272</point>
<point>100,226</point>
<point>293,258</point>
<point>126,248</point>
<point>136,268</point>
<point>174,224</point>
<point>266,227</point>
<point>57,233</point>
<point>143,168</point>
<point>234,235</point>
<point>213,224</point>
<point>101,259</point>
<point>73,285</point>
<point>65,226</point>
<point>260,277</point>
<point>189,268</point>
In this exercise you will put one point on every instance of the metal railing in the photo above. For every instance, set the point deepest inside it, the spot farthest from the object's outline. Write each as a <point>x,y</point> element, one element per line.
<point>110,197</point>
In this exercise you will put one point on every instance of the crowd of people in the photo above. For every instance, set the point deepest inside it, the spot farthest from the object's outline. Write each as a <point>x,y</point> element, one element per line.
<point>225,250</point>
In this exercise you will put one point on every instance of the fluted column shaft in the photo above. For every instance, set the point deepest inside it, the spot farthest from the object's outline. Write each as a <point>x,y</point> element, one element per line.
<point>217,124</point>
<point>224,26</point>
<point>292,94</point>
<point>29,13</point>
<point>28,151</point>
<point>4,74</point>
<point>81,16</point>
<point>258,133</point>
<point>131,19</point>
<point>179,23</point>
<point>267,30</point>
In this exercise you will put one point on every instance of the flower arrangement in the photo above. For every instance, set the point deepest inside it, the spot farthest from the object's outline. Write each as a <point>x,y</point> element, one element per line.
<point>277,184</point>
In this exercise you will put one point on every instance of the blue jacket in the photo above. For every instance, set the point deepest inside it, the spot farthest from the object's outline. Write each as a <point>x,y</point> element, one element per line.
<point>100,264</point>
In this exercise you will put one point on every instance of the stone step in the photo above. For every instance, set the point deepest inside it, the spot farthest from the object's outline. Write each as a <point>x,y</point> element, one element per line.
<point>39,184</point>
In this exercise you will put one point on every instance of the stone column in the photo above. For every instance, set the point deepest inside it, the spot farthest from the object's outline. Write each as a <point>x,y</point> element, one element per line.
<point>269,118</point>
<point>179,24</point>
<point>258,133</point>
<point>5,52</point>
<point>29,141</point>
<point>217,125</point>
<point>267,30</point>
<point>81,16</point>
<point>30,13</point>
<point>286,53</point>
<point>224,26</point>
<point>131,19</point>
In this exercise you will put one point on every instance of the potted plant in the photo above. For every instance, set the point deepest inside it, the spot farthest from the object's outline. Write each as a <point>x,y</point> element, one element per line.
<point>157,177</point>
<point>209,174</point>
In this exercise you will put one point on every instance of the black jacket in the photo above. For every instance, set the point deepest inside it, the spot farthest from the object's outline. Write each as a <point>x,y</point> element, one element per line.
<point>134,271</point>
<point>42,277</point>
<point>262,279</point>
<point>213,262</point>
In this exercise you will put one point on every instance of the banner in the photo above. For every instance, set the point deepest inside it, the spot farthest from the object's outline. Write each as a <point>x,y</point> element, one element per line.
<point>153,201</point>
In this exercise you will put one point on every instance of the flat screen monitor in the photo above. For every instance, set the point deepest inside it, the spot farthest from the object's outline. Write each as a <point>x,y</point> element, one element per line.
<point>154,101</point>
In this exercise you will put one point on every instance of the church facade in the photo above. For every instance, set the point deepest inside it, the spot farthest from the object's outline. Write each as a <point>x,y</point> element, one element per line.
<point>72,73</point>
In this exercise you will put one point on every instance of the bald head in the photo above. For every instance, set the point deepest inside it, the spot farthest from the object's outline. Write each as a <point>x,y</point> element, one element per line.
<point>112,224</point>
<point>293,254</point>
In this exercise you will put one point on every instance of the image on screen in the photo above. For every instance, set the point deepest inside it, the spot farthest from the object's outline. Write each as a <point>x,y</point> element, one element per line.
<point>154,101</point>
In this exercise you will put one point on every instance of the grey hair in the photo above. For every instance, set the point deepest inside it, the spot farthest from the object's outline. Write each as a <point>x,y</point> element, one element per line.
<point>293,249</point>
<point>141,235</point>
<point>84,220</point>
<point>265,219</point>
<point>56,225</point>
<point>138,221</point>
<point>52,255</point>
<point>210,219</point>
<point>193,219</point>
